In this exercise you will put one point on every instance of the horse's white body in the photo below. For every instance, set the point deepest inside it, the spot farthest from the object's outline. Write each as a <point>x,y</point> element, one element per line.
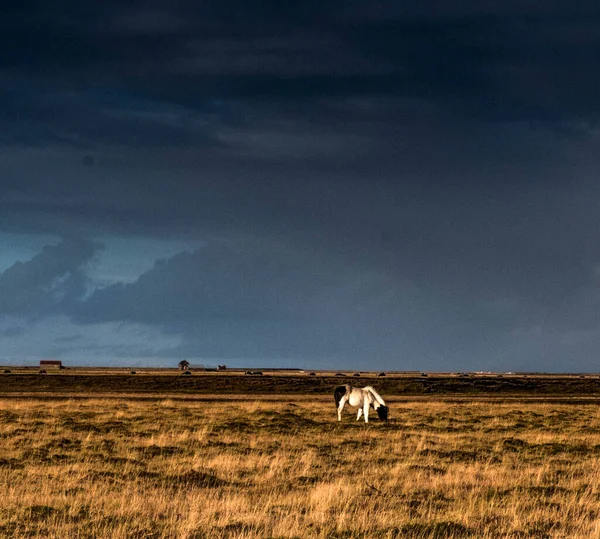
<point>361,398</point>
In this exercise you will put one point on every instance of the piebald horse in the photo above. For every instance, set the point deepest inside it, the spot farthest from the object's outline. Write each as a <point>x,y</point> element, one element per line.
<point>363,398</point>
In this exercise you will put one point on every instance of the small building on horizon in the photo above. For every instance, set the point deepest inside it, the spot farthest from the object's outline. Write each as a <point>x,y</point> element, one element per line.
<point>51,364</point>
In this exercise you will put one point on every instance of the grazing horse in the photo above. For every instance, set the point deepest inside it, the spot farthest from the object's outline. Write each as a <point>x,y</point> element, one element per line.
<point>363,398</point>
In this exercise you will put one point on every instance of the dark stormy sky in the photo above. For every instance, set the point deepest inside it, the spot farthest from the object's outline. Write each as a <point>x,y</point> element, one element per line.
<point>334,184</point>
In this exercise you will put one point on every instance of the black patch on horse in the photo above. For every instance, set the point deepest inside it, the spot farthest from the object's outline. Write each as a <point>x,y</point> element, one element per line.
<point>338,393</point>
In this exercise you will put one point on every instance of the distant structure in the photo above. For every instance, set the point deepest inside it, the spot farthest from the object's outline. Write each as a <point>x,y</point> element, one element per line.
<point>51,364</point>
<point>184,365</point>
<point>222,367</point>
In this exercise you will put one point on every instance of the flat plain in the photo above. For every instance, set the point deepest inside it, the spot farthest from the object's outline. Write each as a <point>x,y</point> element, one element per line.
<point>130,462</point>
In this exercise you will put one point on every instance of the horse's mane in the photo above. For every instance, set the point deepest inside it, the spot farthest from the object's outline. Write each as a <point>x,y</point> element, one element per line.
<point>375,394</point>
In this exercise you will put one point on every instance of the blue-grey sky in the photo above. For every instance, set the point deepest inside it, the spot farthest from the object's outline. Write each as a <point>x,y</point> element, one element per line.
<point>366,185</point>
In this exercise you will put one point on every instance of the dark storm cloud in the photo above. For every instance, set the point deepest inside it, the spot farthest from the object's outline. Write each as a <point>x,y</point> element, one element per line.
<point>258,301</point>
<point>232,99</point>
<point>434,164</point>
<point>255,91</point>
<point>270,301</point>
<point>512,62</point>
<point>47,116</point>
<point>49,280</point>
<point>223,281</point>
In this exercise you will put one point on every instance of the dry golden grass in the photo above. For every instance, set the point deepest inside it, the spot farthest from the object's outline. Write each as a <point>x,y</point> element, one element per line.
<point>127,468</point>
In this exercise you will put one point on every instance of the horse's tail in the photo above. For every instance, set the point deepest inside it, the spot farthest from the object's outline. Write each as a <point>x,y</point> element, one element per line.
<point>376,395</point>
<point>338,393</point>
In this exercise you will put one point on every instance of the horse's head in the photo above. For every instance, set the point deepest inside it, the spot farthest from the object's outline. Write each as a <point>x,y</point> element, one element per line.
<point>382,412</point>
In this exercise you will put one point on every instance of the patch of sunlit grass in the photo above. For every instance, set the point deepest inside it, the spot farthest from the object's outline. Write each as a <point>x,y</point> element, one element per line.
<point>187,469</point>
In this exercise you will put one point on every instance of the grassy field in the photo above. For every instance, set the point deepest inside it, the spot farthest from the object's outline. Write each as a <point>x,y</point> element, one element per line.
<point>282,466</point>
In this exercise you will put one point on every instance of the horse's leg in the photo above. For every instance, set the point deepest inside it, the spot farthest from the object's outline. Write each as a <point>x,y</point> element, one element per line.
<point>359,414</point>
<point>366,410</point>
<point>341,407</point>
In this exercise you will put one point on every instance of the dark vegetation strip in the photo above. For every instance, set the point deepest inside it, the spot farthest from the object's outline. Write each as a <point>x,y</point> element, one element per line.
<point>240,385</point>
<point>262,397</point>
